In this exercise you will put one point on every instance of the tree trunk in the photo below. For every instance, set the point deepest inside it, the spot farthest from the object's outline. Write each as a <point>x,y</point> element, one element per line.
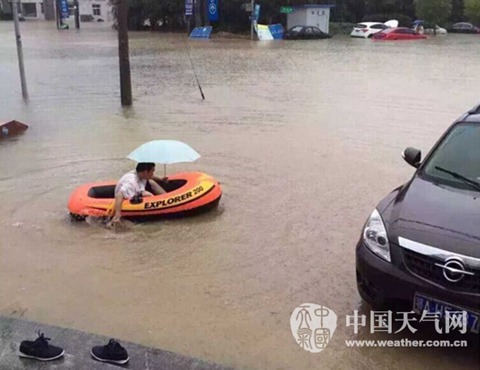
<point>198,13</point>
<point>205,14</point>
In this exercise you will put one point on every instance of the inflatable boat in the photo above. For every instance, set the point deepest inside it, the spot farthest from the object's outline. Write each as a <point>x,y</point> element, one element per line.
<point>187,194</point>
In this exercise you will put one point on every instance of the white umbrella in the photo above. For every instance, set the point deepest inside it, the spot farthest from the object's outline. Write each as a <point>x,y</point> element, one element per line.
<point>164,152</point>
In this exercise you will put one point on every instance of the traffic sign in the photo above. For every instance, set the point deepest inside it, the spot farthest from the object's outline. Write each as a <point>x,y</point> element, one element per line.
<point>287,9</point>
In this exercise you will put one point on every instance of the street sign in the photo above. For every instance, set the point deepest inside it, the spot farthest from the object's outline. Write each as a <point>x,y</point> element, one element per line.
<point>287,9</point>
<point>213,10</point>
<point>188,7</point>
<point>64,8</point>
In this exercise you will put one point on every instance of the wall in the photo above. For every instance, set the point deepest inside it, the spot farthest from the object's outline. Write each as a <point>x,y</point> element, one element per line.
<point>297,18</point>
<point>319,17</point>
<point>86,8</point>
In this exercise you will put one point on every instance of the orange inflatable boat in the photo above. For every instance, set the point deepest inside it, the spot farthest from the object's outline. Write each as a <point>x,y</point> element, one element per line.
<point>187,194</point>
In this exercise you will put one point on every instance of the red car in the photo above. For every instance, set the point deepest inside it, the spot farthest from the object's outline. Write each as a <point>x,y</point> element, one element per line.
<point>398,33</point>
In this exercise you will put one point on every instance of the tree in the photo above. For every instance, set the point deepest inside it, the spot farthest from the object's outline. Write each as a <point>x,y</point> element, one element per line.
<point>457,11</point>
<point>433,11</point>
<point>472,11</point>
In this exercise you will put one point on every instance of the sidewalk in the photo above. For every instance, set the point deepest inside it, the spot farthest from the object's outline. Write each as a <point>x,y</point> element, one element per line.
<point>77,346</point>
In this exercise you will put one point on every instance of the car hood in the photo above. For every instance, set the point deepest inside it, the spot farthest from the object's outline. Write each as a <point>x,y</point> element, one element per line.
<point>436,215</point>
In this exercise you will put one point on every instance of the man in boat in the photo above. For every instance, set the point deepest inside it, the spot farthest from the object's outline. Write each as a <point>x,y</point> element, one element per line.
<point>136,183</point>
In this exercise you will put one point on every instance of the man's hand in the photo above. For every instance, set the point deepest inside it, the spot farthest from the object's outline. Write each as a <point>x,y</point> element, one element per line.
<point>114,222</point>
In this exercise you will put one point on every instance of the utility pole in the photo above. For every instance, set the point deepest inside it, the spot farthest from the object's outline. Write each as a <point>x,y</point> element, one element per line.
<point>251,19</point>
<point>76,14</point>
<point>19,49</point>
<point>124,61</point>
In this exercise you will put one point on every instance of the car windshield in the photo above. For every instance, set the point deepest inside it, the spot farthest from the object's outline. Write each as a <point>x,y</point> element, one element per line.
<point>459,152</point>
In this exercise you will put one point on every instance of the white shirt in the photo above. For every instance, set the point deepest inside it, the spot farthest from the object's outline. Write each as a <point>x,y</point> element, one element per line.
<point>130,184</point>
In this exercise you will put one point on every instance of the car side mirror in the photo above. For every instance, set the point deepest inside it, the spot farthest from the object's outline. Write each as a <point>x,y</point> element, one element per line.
<point>412,156</point>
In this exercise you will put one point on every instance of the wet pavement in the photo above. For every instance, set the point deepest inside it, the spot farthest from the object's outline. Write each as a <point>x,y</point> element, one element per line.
<point>77,346</point>
<point>305,138</point>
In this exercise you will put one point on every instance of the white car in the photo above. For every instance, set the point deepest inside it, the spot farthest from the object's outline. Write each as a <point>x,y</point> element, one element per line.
<point>438,30</point>
<point>368,29</point>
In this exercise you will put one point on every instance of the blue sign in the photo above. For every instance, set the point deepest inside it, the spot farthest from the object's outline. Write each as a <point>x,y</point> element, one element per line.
<point>213,10</point>
<point>201,33</point>
<point>276,30</point>
<point>64,8</point>
<point>188,7</point>
<point>256,13</point>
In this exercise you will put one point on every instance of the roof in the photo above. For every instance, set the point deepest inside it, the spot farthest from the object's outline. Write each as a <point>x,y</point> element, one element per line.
<point>313,6</point>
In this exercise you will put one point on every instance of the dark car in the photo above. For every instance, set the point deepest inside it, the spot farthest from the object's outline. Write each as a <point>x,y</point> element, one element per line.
<point>420,247</point>
<point>464,27</point>
<point>305,33</point>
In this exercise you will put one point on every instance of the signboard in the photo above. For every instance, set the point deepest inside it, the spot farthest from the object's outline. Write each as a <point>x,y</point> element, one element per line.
<point>276,30</point>
<point>201,32</point>
<point>188,7</point>
<point>287,9</point>
<point>263,33</point>
<point>256,13</point>
<point>213,10</point>
<point>64,8</point>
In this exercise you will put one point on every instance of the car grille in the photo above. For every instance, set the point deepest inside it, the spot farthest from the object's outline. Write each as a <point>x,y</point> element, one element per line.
<point>424,266</point>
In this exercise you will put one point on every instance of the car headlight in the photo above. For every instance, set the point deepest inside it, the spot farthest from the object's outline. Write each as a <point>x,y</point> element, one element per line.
<point>375,236</point>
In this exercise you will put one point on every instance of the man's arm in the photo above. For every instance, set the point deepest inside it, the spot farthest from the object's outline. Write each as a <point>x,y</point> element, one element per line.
<point>118,206</point>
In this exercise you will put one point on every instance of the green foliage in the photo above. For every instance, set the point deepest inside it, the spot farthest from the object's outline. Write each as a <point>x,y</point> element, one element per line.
<point>472,11</point>
<point>457,11</point>
<point>433,11</point>
<point>403,20</point>
<point>169,15</point>
<point>5,16</point>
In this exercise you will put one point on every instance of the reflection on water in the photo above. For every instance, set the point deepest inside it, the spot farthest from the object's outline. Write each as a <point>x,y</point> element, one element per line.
<point>305,138</point>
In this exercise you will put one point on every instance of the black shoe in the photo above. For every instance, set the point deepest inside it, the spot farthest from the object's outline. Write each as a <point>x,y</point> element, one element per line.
<point>113,352</point>
<point>39,349</point>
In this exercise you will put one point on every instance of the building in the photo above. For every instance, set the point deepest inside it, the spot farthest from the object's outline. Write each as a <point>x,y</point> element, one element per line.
<point>90,10</point>
<point>310,15</point>
<point>95,10</point>
<point>36,9</point>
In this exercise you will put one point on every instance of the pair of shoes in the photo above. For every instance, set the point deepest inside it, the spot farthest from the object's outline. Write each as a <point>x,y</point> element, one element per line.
<point>41,350</point>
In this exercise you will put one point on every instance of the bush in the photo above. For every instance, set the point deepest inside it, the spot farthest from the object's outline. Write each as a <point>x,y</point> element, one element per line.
<point>5,17</point>
<point>403,20</point>
<point>341,28</point>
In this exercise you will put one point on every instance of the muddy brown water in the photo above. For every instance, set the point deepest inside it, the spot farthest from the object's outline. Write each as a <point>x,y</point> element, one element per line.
<point>305,138</point>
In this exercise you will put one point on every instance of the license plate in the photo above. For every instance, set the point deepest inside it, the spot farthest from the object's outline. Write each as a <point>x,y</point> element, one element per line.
<point>423,303</point>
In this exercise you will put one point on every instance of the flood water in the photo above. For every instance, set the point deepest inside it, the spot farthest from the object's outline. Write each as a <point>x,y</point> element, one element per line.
<point>305,138</point>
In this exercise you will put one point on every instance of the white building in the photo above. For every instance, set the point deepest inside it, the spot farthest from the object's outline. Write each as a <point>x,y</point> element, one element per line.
<point>310,15</point>
<point>98,9</point>
<point>31,9</point>
<point>90,10</point>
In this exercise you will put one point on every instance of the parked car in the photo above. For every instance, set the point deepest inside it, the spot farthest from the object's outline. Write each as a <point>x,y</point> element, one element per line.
<point>399,33</point>
<point>463,27</point>
<point>368,29</point>
<point>421,244</point>
<point>438,30</point>
<point>305,33</point>
<point>428,28</point>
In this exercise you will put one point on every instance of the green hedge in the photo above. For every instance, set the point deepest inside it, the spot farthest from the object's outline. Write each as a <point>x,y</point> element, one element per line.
<point>340,28</point>
<point>5,17</point>
<point>403,20</point>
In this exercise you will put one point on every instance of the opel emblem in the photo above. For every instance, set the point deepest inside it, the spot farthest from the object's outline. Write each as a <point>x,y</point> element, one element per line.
<point>453,270</point>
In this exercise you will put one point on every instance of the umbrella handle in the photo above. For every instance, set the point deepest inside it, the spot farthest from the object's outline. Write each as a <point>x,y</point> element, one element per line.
<point>165,170</point>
